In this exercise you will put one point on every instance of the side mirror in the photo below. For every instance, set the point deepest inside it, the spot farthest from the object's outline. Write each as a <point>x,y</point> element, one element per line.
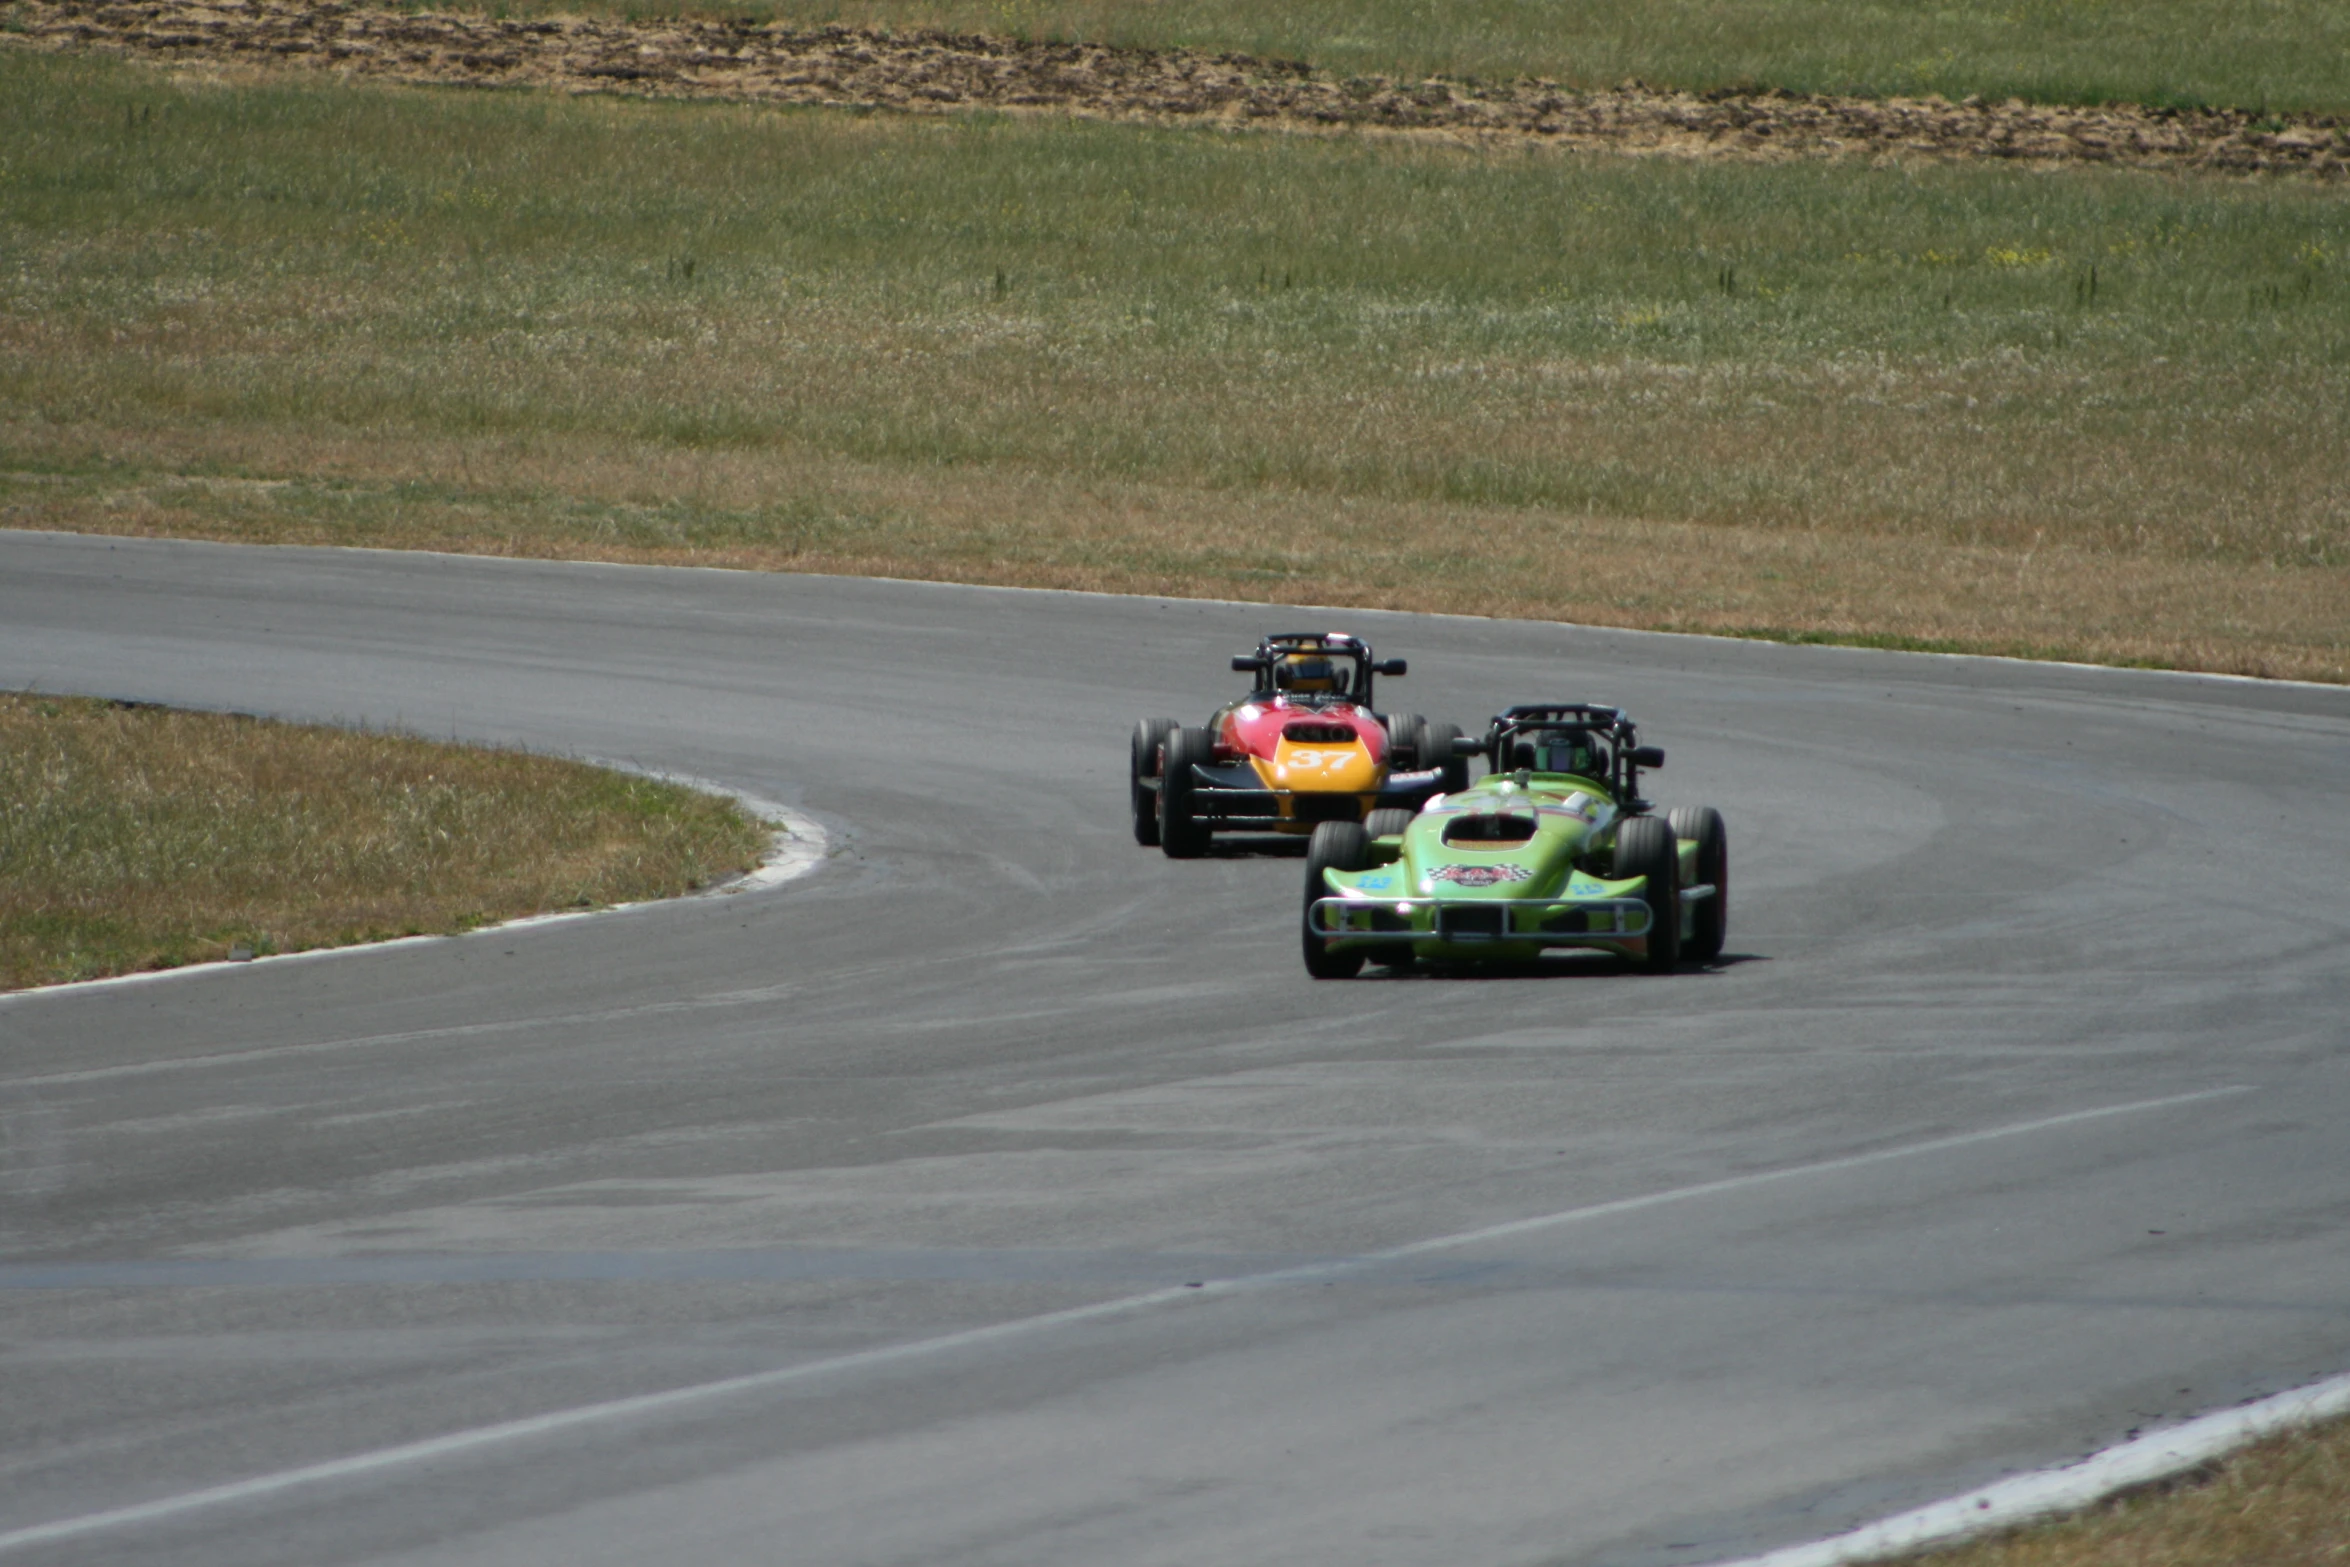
<point>1394,668</point>
<point>1468,745</point>
<point>1648,756</point>
<point>1247,663</point>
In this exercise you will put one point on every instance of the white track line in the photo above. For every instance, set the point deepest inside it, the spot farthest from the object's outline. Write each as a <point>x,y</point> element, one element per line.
<point>2026,1497</point>
<point>412,1453</point>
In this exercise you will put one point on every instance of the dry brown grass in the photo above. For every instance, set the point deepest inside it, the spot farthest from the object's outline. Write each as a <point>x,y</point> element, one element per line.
<point>139,838</point>
<point>569,499</point>
<point>2281,54</point>
<point>937,72</point>
<point>2282,1503</point>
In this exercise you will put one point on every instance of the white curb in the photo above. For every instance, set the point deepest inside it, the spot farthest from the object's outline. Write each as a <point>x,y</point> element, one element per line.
<point>2027,1498</point>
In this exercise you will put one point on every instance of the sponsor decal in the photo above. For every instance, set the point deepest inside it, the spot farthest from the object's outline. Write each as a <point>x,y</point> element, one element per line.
<point>1480,875</point>
<point>1375,883</point>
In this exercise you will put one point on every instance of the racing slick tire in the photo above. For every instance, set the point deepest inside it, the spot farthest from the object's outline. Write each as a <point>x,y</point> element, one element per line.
<point>1436,750</point>
<point>1709,920</point>
<point>1403,742</point>
<point>1390,822</point>
<point>1150,736</point>
<point>1644,847</point>
<point>1181,834</point>
<point>1335,846</point>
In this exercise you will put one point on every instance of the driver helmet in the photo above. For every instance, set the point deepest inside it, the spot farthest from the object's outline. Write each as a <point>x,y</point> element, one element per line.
<point>1307,672</point>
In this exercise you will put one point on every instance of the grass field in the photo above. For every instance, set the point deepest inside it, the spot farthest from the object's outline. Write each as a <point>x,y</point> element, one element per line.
<point>2276,1504</point>
<point>2097,415</point>
<point>2286,55</point>
<point>137,838</point>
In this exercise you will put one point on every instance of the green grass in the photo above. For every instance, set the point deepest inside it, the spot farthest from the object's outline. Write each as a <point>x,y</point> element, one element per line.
<point>140,838</point>
<point>1879,349</point>
<point>2283,55</point>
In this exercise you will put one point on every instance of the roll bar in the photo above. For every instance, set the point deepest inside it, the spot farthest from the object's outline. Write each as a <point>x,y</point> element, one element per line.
<point>1275,646</point>
<point>1612,724</point>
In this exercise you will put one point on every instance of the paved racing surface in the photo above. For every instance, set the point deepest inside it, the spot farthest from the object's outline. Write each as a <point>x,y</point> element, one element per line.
<point>2012,1125</point>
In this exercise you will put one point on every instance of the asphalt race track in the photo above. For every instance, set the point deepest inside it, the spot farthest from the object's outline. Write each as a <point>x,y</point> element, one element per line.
<point>2014,1122</point>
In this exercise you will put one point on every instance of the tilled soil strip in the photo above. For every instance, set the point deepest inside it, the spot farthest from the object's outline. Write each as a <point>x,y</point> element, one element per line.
<point>932,72</point>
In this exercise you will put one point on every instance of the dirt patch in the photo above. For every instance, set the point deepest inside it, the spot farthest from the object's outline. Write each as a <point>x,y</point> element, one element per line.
<point>930,72</point>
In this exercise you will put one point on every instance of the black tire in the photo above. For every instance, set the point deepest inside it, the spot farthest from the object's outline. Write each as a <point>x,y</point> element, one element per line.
<point>1403,742</point>
<point>1182,836</point>
<point>1390,822</point>
<point>1709,920</point>
<point>1644,847</point>
<point>1436,750</point>
<point>1335,846</point>
<point>1143,762</point>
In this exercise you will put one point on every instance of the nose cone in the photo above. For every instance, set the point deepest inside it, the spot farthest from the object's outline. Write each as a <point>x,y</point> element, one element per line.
<point>1337,769</point>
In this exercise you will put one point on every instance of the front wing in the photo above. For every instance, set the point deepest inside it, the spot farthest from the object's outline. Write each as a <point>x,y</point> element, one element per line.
<point>1231,798</point>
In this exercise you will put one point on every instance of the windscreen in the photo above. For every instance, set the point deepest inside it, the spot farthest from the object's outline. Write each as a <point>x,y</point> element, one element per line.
<point>1576,751</point>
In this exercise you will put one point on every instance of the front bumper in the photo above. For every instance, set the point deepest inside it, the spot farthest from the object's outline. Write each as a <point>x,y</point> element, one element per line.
<point>1488,927</point>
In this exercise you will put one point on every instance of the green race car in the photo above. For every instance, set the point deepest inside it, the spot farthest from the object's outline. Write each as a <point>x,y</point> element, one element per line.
<point>1553,848</point>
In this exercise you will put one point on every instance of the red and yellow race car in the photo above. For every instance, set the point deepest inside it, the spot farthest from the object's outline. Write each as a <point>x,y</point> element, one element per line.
<point>1304,746</point>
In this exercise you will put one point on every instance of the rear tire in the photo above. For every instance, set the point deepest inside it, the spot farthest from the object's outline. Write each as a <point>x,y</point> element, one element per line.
<point>1181,835</point>
<point>1436,742</point>
<point>1143,762</point>
<point>1644,847</point>
<point>1709,921</point>
<point>1335,846</point>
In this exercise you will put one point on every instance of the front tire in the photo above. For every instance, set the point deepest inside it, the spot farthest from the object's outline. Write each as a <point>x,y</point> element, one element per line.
<point>1436,750</point>
<point>1335,846</point>
<point>1150,737</point>
<point>1709,921</point>
<point>1645,847</point>
<point>1389,821</point>
<point>1403,743</point>
<point>1181,834</point>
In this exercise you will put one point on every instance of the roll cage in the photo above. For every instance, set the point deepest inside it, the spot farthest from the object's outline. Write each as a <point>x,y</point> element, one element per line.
<point>1265,663</point>
<point>1518,735</point>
